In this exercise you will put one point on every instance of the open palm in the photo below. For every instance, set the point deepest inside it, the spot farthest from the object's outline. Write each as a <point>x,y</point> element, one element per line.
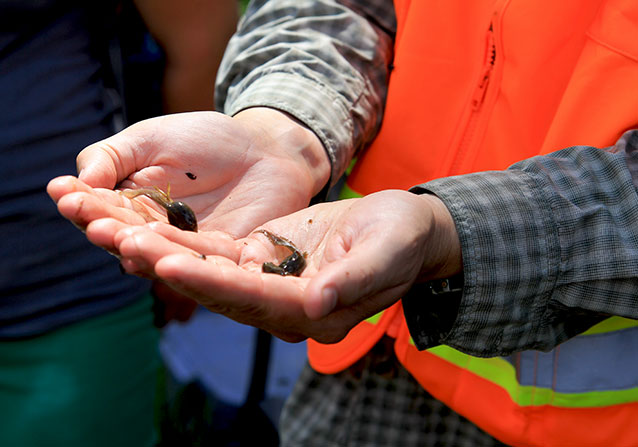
<point>233,173</point>
<point>353,249</point>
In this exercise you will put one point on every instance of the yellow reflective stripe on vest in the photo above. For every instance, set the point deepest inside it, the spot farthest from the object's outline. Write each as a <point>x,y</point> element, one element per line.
<point>502,373</point>
<point>611,324</point>
<point>374,319</point>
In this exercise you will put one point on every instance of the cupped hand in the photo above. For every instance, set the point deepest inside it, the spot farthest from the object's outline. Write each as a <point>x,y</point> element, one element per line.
<point>362,256</point>
<point>235,173</point>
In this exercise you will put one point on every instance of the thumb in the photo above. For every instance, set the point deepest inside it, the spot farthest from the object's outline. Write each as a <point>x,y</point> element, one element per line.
<point>363,278</point>
<point>105,163</point>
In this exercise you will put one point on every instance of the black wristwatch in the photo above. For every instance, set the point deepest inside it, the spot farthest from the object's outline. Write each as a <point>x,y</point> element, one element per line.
<point>447,285</point>
<point>431,308</point>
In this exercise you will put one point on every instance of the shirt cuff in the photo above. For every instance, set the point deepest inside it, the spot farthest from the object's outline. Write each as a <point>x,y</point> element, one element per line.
<point>282,91</point>
<point>509,260</point>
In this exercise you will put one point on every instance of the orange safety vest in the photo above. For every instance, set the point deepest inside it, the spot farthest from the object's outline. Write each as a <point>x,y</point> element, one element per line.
<point>479,85</point>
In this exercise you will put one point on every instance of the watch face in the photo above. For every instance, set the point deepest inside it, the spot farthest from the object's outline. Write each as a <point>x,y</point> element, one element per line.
<point>446,285</point>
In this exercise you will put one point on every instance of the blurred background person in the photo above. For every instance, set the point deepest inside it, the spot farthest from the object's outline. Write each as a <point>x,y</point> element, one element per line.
<point>78,347</point>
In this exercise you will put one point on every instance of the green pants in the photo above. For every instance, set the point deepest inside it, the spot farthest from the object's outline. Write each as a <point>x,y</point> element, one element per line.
<point>89,384</point>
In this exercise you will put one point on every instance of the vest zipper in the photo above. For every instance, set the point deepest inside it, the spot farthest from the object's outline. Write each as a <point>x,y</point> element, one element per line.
<point>476,103</point>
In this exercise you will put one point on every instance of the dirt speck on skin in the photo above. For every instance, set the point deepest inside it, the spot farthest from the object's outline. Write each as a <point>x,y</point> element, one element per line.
<point>191,176</point>
<point>309,221</point>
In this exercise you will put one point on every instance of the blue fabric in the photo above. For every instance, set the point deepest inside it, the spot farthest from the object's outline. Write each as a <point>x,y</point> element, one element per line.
<point>52,104</point>
<point>570,368</point>
<point>193,351</point>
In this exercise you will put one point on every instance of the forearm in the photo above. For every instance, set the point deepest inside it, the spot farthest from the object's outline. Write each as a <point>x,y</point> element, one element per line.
<point>549,248</point>
<point>193,35</point>
<point>326,65</point>
<point>188,85</point>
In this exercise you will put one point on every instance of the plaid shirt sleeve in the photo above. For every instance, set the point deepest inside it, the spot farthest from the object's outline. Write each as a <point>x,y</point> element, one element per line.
<point>324,62</point>
<point>550,247</point>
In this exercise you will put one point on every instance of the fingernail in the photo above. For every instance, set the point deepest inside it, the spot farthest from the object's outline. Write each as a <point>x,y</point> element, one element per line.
<point>329,300</point>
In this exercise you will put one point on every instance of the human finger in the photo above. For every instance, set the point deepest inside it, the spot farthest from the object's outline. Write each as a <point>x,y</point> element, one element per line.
<point>61,186</point>
<point>105,163</point>
<point>101,232</point>
<point>271,302</point>
<point>365,278</point>
<point>81,208</point>
<point>140,248</point>
<point>204,242</point>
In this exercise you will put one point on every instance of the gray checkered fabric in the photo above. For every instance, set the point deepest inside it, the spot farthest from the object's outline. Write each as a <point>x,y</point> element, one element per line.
<point>375,403</point>
<point>572,218</point>
<point>324,62</point>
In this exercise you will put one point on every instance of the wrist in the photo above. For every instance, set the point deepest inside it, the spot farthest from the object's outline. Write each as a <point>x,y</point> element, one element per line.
<point>443,256</point>
<point>291,139</point>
